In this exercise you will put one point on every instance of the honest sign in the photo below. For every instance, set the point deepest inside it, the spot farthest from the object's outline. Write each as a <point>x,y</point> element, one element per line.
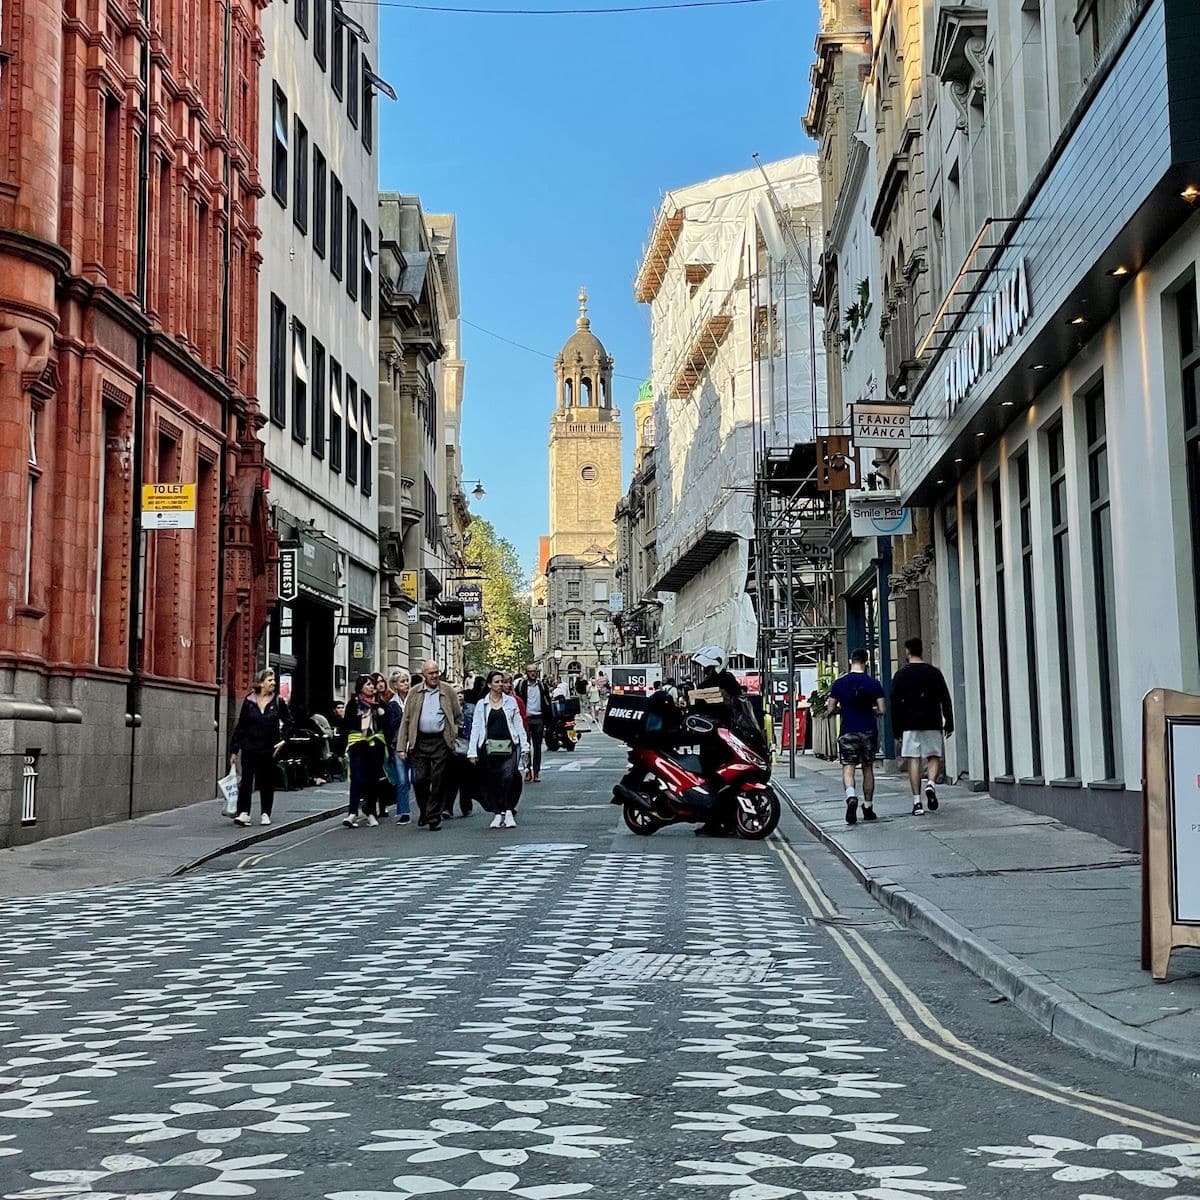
<point>169,506</point>
<point>884,425</point>
<point>287,575</point>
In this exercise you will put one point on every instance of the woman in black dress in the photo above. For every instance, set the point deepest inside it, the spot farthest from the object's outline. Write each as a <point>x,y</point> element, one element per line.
<point>498,743</point>
<point>261,730</point>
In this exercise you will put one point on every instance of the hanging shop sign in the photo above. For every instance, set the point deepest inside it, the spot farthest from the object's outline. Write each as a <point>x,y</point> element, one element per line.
<point>1008,312</point>
<point>887,426</point>
<point>288,583</point>
<point>1171,824</point>
<point>470,596</point>
<point>169,506</point>
<point>616,602</point>
<point>879,518</point>
<point>837,468</point>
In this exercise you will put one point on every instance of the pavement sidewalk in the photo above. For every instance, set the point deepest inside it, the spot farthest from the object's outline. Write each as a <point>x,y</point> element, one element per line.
<point>166,843</point>
<point>1048,915</point>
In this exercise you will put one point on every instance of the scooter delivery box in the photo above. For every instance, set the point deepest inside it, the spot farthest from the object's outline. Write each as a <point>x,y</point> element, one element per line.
<point>632,718</point>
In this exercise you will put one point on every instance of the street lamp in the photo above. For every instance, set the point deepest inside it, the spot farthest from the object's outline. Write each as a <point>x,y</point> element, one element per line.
<point>558,655</point>
<point>478,490</point>
<point>598,640</point>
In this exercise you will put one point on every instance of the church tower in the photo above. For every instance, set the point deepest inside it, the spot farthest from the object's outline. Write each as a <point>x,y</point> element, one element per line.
<point>585,448</point>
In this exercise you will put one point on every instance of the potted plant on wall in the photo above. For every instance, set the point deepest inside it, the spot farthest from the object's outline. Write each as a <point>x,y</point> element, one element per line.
<point>824,728</point>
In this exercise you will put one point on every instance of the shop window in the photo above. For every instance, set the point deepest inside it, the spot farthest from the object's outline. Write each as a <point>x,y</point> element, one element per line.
<point>368,434</point>
<point>351,249</point>
<point>1060,535</point>
<point>320,183</point>
<point>335,226</point>
<point>1189,371</point>
<point>320,27</point>
<point>279,368</point>
<point>1002,624</point>
<point>204,616</point>
<point>300,165</point>
<point>299,382</point>
<point>162,641</point>
<point>1025,505</point>
<point>319,399</point>
<point>980,643</point>
<point>279,146</point>
<point>335,415</point>
<point>1102,578</point>
<point>351,431</point>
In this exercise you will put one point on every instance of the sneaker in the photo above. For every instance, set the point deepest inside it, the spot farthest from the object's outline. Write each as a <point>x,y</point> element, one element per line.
<point>403,819</point>
<point>497,821</point>
<point>434,826</point>
<point>264,819</point>
<point>918,809</point>
<point>372,821</point>
<point>528,776</point>
<point>242,819</point>
<point>851,810</point>
<point>448,815</point>
<point>537,778</point>
<point>510,821</point>
<point>350,822</point>
<point>869,813</point>
<point>931,800</point>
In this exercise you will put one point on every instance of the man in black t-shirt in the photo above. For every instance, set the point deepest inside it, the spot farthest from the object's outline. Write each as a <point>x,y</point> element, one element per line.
<point>921,713</point>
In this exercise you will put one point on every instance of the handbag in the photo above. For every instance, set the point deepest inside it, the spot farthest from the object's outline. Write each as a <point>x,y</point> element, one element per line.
<point>460,747</point>
<point>498,746</point>
<point>227,791</point>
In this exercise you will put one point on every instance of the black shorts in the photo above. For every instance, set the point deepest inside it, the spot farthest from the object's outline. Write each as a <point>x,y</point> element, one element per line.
<point>858,749</point>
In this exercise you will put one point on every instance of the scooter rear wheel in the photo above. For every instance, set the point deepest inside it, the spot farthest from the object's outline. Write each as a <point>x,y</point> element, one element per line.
<point>639,821</point>
<point>568,743</point>
<point>761,822</point>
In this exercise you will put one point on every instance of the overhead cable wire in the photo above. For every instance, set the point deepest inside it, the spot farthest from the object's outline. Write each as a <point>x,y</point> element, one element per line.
<point>670,6</point>
<point>533,350</point>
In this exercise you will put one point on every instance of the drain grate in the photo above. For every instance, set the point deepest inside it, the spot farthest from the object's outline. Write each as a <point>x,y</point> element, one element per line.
<point>624,966</point>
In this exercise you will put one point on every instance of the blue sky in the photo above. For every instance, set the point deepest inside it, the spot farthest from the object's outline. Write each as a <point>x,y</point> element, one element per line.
<point>553,139</point>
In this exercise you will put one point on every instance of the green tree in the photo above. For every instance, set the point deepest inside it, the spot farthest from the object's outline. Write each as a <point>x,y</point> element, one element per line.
<point>505,627</point>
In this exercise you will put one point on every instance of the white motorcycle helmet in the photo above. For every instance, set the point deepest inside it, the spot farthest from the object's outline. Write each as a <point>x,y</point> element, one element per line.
<point>710,656</point>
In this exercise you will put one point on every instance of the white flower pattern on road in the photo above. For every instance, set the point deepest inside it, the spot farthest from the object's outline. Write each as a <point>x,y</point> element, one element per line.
<point>1119,1155</point>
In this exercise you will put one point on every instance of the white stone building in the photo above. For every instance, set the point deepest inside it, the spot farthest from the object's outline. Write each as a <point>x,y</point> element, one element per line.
<point>731,327</point>
<point>317,365</point>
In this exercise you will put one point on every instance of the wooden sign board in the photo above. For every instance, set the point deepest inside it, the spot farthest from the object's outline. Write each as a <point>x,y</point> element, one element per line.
<point>1170,826</point>
<point>837,467</point>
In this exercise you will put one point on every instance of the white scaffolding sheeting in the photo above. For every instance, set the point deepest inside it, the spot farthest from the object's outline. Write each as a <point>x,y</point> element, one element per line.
<point>728,277</point>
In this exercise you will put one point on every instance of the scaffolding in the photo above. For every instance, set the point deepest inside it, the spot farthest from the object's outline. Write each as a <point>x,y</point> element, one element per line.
<point>794,524</point>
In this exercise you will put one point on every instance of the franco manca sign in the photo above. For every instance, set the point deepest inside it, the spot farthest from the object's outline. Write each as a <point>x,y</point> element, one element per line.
<point>882,425</point>
<point>1008,311</point>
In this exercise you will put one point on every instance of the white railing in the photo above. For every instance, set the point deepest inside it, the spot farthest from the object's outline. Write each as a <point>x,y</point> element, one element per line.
<point>29,789</point>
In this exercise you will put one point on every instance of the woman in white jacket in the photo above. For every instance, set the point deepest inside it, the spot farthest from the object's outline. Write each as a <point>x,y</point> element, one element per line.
<point>498,743</point>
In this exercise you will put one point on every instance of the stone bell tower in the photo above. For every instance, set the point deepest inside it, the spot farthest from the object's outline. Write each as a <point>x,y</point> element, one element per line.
<point>585,447</point>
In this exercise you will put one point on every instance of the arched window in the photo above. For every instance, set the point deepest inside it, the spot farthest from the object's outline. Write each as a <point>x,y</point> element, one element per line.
<point>604,397</point>
<point>585,393</point>
<point>648,430</point>
<point>568,393</point>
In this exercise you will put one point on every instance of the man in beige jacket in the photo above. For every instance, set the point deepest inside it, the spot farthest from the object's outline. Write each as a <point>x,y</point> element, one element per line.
<point>432,716</point>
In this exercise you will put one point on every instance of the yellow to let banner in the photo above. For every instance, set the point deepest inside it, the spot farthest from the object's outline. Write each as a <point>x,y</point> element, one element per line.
<point>408,584</point>
<point>168,497</point>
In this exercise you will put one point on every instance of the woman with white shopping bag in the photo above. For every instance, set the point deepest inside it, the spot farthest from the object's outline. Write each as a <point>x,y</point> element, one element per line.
<point>260,732</point>
<point>498,745</point>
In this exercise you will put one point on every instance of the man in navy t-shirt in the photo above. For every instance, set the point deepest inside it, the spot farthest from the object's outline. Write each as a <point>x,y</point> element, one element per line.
<point>858,697</point>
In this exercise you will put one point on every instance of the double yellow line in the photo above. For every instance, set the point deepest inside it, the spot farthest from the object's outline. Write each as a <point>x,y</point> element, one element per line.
<point>914,1020</point>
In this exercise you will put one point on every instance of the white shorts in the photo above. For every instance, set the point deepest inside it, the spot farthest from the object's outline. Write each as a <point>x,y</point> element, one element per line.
<point>922,744</point>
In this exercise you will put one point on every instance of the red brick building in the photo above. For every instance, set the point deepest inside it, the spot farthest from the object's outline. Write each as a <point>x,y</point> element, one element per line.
<point>128,318</point>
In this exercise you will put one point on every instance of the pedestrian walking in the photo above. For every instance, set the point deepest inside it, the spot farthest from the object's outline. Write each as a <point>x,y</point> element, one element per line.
<point>858,697</point>
<point>401,685</point>
<point>366,752</point>
<point>510,690</point>
<point>258,735</point>
<point>593,696</point>
<point>498,743</point>
<point>535,695</point>
<point>467,771</point>
<point>431,719</point>
<point>921,713</point>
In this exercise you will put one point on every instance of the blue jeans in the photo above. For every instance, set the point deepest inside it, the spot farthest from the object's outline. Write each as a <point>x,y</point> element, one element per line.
<point>403,785</point>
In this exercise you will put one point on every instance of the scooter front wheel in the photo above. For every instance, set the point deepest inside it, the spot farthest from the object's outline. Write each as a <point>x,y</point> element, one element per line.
<point>638,820</point>
<point>757,815</point>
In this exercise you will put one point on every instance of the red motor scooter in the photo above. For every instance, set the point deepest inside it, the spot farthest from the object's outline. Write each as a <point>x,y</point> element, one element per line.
<point>681,768</point>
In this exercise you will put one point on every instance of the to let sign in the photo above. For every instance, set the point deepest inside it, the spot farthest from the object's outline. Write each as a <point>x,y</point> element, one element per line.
<point>169,506</point>
<point>883,425</point>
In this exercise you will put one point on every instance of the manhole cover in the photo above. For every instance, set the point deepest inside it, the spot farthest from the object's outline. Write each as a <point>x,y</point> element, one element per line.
<point>622,966</point>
